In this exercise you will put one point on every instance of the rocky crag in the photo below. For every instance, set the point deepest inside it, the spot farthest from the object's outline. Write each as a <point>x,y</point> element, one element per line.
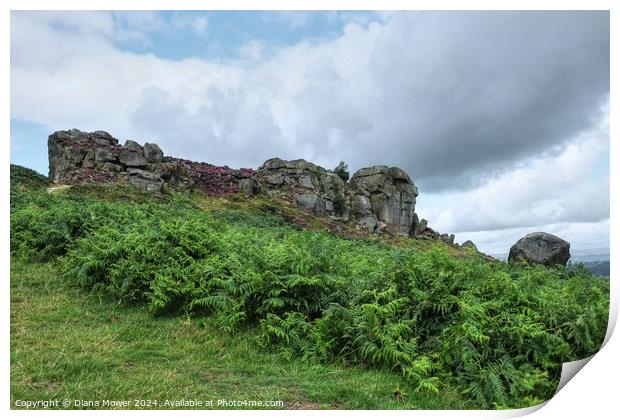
<point>377,199</point>
<point>76,156</point>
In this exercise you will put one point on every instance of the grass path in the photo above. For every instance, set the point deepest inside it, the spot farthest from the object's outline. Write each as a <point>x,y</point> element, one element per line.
<point>67,344</point>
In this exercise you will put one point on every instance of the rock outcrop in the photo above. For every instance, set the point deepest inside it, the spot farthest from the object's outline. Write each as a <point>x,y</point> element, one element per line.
<point>421,230</point>
<point>78,156</point>
<point>540,248</point>
<point>384,195</point>
<point>314,188</point>
<point>377,199</point>
<point>74,155</point>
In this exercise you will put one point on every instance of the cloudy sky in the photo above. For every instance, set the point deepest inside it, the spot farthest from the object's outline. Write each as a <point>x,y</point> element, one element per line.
<point>501,118</point>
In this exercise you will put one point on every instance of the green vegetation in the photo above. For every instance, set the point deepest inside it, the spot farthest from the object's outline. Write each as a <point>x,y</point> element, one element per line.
<point>67,344</point>
<point>428,327</point>
<point>26,179</point>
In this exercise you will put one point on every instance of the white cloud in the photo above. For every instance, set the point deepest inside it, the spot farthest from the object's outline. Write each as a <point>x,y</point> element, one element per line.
<point>196,23</point>
<point>455,99</point>
<point>396,91</point>
<point>252,50</point>
<point>293,19</point>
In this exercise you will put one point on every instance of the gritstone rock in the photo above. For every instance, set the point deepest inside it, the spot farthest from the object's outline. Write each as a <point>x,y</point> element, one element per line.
<point>540,248</point>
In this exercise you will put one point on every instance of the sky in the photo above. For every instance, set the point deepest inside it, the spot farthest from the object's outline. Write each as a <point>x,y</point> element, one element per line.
<point>500,118</point>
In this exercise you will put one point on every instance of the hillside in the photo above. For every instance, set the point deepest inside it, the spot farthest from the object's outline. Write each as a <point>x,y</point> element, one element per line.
<point>198,295</point>
<point>599,268</point>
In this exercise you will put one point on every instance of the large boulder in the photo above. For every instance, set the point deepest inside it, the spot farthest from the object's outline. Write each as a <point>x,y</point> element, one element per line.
<point>386,194</point>
<point>152,153</point>
<point>540,248</point>
<point>248,187</point>
<point>132,155</point>
<point>313,187</point>
<point>145,180</point>
<point>470,245</point>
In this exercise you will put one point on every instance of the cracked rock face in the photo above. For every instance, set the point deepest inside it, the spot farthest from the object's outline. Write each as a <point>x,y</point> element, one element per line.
<point>387,194</point>
<point>377,199</point>
<point>76,156</point>
<point>540,248</point>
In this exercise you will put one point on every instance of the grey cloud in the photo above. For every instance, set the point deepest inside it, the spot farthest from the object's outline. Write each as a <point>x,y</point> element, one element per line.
<point>469,92</point>
<point>561,187</point>
<point>458,99</point>
<point>452,97</point>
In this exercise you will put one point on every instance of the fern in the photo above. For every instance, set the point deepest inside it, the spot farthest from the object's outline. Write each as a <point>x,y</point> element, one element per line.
<point>498,333</point>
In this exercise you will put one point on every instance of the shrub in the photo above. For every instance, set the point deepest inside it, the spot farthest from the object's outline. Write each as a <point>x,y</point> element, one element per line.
<point>498,332</point>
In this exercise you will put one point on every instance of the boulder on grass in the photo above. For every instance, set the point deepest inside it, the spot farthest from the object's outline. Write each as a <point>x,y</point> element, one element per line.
<point>540,248</point>
<point>469,244</point>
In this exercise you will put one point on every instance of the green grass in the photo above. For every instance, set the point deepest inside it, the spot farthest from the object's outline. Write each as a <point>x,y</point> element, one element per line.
<point>67,344</point>
<point>119,295</point>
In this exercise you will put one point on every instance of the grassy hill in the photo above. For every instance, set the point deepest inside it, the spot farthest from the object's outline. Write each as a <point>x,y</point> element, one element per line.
<point>121,295</point>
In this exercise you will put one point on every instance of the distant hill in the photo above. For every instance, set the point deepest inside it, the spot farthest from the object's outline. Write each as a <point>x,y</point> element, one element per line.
<point>599,268</point>
<point>595,261</point>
